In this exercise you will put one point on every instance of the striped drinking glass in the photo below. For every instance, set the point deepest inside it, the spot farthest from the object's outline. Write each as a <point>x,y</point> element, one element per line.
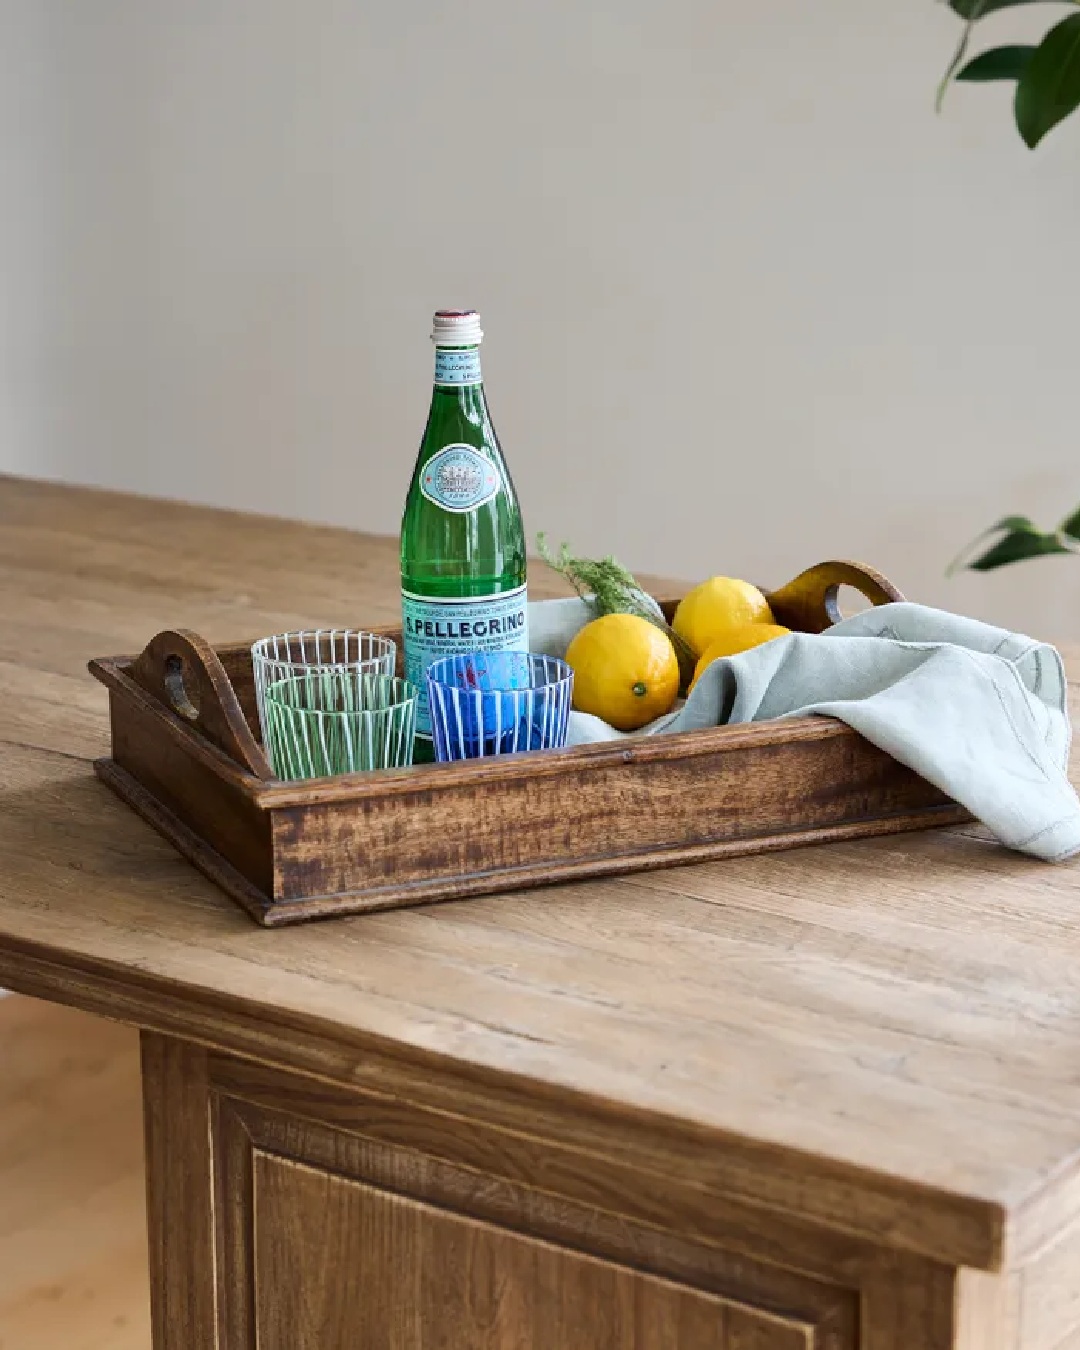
<point>317,650</point>
<point>334,721</point>
<point>498,703</point>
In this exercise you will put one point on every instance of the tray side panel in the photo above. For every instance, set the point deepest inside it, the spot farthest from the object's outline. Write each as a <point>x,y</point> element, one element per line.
<point>593,819</point>
<point>209,804</point>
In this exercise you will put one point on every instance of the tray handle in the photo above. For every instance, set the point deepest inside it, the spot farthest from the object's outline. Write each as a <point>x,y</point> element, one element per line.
<point>810,603</point>
<point>183,672</point>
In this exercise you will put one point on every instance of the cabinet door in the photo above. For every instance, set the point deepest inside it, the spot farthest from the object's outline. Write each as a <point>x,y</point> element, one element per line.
<point>341,1265</point>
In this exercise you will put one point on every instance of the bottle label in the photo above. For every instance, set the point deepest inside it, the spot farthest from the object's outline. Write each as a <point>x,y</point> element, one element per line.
<point>434,628</point>
<point>459,479</point>
<point>455,366</point>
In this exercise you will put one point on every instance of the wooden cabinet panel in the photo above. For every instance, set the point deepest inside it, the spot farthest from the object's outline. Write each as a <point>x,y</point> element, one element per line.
<point>353,1267</point>
<point>290,1214</point>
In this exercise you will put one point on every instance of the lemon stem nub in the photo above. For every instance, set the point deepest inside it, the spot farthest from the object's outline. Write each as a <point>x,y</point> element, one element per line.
<point>640,689</point>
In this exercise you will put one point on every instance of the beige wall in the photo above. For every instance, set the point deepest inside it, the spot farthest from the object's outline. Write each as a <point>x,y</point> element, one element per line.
<point>748,302</point>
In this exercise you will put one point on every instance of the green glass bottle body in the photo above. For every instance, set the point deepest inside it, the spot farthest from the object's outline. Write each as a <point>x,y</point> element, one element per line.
<point>463,564</point>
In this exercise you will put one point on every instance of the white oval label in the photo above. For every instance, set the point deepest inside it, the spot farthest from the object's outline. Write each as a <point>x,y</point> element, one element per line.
<point>459,478</point>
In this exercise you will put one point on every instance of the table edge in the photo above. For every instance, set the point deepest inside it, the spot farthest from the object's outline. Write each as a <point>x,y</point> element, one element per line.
<point>952,1228</point>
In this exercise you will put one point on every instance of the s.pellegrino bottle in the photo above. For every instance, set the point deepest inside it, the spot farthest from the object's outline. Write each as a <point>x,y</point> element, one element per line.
<point>462,541</point>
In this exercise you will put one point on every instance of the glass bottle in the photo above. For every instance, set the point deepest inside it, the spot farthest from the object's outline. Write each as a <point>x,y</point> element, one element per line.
<point>463,585</point>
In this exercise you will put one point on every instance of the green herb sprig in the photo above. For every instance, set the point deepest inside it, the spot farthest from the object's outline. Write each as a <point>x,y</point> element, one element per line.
<point>608,588</point>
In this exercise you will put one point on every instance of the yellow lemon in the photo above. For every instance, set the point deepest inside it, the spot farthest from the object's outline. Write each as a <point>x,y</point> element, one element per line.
<point>625,670</point>
<point>735,640</point>
<point>710,610</point>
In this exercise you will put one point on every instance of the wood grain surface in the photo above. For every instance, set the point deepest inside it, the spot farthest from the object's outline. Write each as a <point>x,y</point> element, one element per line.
<point>180,1195</point>
<point>878,1037</point>
<point>417,1270</point>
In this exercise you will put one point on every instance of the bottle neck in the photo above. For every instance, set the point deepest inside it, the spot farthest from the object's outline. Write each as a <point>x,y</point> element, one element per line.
<point>458,368</point>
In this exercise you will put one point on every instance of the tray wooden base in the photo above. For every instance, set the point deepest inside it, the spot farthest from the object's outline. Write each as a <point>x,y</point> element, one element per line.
<point>271,915</point>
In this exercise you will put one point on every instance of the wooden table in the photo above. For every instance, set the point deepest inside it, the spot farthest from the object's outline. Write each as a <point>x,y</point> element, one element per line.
<point>823,1099</point>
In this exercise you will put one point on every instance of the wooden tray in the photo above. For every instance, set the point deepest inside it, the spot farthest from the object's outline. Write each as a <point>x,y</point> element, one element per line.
<point>186,756</point>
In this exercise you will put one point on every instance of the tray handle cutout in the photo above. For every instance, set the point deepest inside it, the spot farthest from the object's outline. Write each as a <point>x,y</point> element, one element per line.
<point>810,603</point>
<point>182,671</point>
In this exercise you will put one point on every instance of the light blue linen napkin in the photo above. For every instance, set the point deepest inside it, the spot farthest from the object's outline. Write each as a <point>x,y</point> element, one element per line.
<point>977,711</point>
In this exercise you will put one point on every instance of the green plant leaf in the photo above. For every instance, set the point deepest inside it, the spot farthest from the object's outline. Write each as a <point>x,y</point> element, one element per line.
<point>1071,525</point>
<point>1020,538</point>
<point>1049,89</point>
<point>971,9</point>
<point>999,63</point>
<point>1018,547</point>
<point>1021,523</point>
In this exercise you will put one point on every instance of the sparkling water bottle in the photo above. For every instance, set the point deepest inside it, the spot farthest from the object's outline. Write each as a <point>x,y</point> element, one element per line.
<point>462,541</point>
